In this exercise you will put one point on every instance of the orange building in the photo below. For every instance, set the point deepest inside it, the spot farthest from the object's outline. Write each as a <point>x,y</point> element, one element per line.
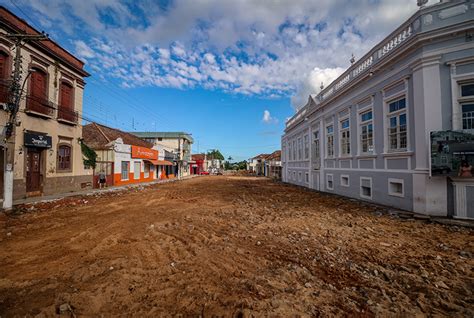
<point>123,157</point>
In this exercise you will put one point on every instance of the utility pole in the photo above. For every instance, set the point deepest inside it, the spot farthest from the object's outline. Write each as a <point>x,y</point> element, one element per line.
<point>15,92</point>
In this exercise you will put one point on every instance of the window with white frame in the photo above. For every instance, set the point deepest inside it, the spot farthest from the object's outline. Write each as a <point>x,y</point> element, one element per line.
<point>300,149</point>
<point>294,149</point>
<point>294,175</point>
<point>299,176</point>
<point>396,187</point>
<point>330,141</point>
<point>466,102</point>
<point>345,137</point>
<point>366,187</point>
<point>306,146</point>
<point>366,132</point>
<point>345,180</point>
<point>397,125</point>
<point>290,153</point>
<point>306,177</point>
<point>329,182</point>
<point>316,145</point>
<point>467,116</point>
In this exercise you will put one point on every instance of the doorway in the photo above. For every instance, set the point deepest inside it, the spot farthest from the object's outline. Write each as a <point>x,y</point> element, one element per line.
<point>315,181</point>
<point>33,172</point>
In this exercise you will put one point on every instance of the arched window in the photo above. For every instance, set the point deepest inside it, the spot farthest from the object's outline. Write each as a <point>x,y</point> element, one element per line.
<point>64,158</point>
<point>38,95</point>
<point>4,83</point>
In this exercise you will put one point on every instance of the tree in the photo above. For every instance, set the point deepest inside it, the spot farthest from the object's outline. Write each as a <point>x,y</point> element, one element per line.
<point>215,154</point>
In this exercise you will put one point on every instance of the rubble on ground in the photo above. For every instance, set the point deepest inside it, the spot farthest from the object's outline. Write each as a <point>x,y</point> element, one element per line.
<point>231,245</point>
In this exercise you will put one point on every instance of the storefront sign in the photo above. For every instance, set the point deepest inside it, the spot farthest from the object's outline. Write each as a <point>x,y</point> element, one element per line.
<point>36,140</point>
<point>144,153</point>
<point>452,153</point>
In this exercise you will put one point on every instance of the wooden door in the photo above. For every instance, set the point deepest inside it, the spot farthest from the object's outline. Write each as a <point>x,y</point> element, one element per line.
<point>33,170</point>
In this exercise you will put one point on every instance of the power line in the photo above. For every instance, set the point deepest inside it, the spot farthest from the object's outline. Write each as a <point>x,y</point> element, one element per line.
<point>26,15</point>
<point>112,91</point>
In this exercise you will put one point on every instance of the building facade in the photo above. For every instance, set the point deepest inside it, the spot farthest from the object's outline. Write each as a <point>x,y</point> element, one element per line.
<point>48,157</point>
<point>367,134</point>
<point>273,165</point>
<point>257,164</point>
<point>178,143</point>
<point>198,163</point>
<point>124,158</point>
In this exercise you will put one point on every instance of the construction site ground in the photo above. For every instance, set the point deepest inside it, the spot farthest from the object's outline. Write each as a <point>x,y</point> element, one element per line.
<point>230,246</point>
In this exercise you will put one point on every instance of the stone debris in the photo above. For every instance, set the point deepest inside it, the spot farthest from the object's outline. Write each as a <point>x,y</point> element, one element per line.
<point>215,246</point>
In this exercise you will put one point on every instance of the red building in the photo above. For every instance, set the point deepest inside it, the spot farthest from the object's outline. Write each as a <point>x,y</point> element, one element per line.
<point>198,163</point>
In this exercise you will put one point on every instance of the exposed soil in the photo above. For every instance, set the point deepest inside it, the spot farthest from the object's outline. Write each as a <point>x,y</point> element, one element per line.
<point>229,246</point>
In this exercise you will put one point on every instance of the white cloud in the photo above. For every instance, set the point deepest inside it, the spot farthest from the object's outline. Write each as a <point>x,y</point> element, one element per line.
<point>83,50</point>
<point>268,119</point>
<point>266,48</point>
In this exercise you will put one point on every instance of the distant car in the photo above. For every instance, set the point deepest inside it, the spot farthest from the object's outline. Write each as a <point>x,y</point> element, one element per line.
<point>204,173</point>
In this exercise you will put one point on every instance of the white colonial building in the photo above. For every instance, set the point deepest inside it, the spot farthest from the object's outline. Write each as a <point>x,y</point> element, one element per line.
<point>367,134</point>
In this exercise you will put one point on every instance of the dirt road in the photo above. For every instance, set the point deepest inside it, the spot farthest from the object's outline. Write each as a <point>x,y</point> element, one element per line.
<point>229,246</point>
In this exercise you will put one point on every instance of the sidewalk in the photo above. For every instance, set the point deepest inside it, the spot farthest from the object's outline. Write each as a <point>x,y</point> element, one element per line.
<point>59,196</point>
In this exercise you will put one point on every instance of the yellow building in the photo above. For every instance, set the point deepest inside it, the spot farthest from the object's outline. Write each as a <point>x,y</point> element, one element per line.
<point>48,157</point>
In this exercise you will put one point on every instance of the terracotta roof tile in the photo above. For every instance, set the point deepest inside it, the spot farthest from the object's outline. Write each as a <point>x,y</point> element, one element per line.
<point>99,136</point>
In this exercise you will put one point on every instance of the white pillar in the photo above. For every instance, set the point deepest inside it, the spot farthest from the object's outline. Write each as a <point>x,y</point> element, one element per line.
<point>429,194</point>
<point>8,187</point>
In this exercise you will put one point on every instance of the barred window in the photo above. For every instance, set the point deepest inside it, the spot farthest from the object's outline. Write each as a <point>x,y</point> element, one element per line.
<point>64,157</point>
<point>125,169</point>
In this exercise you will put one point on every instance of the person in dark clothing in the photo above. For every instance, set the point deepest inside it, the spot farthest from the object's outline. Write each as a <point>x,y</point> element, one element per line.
<point>102,179</point>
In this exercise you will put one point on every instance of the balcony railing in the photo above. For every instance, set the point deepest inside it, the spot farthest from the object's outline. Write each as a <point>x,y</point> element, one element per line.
<point>39,106</point>
<point>67,115</point>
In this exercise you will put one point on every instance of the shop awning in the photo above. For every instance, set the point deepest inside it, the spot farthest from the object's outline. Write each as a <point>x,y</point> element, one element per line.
<point>160,162</point>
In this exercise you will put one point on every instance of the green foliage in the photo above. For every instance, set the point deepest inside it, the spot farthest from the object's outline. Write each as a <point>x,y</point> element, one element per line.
<point>215,154</point>
<point>90,155</point>
<point>242,165</point>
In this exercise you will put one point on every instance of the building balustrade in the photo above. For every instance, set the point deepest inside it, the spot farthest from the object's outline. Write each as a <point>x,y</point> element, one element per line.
<point>39,105</point>
<point>67,115</point>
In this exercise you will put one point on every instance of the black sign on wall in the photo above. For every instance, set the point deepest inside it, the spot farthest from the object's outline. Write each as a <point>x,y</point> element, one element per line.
<point>37,140</point>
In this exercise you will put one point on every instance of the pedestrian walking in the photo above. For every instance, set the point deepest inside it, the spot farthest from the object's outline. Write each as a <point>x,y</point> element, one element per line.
<point>102,179</point>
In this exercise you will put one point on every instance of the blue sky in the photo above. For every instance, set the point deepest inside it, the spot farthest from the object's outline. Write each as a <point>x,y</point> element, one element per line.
<point>229,72</point>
